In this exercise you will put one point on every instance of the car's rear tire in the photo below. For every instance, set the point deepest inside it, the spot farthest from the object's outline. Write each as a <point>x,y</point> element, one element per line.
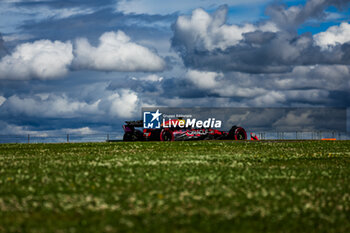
<point>166,135</point>
<point>133,136</point>
<point>130,137</point>
<point>240,134</point>
<point>237,133</point>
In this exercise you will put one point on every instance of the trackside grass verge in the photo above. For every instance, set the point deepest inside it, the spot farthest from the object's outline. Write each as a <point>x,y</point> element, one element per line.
<point>175,187</point>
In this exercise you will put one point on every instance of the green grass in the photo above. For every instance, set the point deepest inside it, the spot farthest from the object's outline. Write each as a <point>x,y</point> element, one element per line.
<point>175,187</point>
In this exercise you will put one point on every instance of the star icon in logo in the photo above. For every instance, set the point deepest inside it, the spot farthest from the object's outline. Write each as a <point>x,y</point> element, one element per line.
<point>156,115</point>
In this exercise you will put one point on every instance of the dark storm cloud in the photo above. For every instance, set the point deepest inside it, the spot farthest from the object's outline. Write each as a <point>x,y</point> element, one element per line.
<point>169,87</point>
<point>339,98</point>
<point>258,48</point>
<point>94,24</point>
<point>183,88</point>
<point>136,85</point>
<point>2,47</point>
<point>267,52</point>
<point>291,18</point>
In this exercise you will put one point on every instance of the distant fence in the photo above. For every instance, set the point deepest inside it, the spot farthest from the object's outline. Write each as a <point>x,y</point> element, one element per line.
<point>301,135</point>
<point>68,138</point>
<point>61,138</point>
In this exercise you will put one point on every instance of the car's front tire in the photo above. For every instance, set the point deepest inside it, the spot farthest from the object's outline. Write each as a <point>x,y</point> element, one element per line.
<point>166,135</point>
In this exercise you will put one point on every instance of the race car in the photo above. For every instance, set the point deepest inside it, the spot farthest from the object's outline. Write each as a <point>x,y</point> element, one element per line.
<point>179,134</point>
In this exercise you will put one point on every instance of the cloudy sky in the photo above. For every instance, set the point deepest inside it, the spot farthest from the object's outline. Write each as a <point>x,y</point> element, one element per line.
<point>85,66</point>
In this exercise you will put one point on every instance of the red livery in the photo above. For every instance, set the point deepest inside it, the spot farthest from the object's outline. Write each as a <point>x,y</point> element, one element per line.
<point>179,134</point>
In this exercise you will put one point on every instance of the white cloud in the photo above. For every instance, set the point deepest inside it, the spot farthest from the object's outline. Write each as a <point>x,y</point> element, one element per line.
<point>123,104</point>
<point>310,95</point>
<point>81,131</point>
<point>209,32</point>
<point>13,16</point>
<point>11,129</point>
<point>116,52</point>
<point>52,106</point>
<point>17,37</point>
<point>224,85</point>
<point>65,12</point>
<point>2,100</point>
<point>333,36</point>
<point>281,97</point>
<point>150,78</point>
<point>43,12</point>
<point>228,89</point>
<point>42,59</point>
<point>295,119</point>
<point>271,98</point>
<point>328,77</point>
<point>204,79</point>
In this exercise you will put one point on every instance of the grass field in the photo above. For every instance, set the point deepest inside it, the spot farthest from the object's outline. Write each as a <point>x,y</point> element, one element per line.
<point>175,187</point>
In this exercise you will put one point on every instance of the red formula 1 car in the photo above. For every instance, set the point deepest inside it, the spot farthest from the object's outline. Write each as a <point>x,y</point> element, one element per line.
<point>179,134</point>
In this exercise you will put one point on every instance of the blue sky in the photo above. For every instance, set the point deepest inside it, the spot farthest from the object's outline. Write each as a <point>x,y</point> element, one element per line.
<point>86,66</point>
